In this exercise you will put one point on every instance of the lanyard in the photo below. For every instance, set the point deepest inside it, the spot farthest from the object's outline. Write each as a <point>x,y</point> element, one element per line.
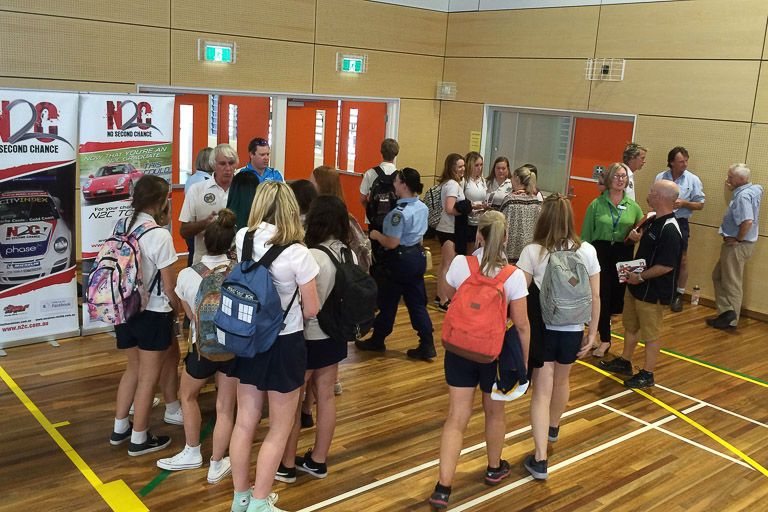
<point>615,220</point>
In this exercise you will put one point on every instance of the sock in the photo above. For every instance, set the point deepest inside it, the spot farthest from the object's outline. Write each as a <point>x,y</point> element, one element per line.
<point>445,489</point>
<point>173,407</point>
<point>139,437</point>
<point>193,449</point>
<point>122,426</point>
<point>493,469</point>
<point>241,500</point>
<point>680,290</point>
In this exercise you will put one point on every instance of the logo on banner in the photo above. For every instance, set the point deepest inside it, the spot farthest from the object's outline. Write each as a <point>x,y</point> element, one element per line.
<point>35,122</point>
<point>133,121</point>
<point>11,309</point>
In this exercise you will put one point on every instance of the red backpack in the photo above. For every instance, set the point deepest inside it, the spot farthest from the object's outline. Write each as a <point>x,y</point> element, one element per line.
<point>476,320</point>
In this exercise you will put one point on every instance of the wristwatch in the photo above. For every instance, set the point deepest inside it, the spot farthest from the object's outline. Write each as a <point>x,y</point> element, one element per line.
<point>640,277</point>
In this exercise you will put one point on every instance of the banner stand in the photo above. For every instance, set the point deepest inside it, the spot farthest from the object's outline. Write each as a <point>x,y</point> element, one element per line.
<point>41,339</point>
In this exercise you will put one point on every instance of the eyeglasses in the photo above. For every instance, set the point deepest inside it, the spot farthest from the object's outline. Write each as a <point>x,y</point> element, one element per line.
<point>619,177</point>
<point>261,142</point>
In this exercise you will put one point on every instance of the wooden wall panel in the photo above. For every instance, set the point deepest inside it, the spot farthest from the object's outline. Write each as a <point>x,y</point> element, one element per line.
<point>390,75</point>
<point>262,65</point>
<point>761,98</point>
<point>152,12</point>
<point>289,20</point>
<point>61,85</point>
<point>524,33</point>
<point>551,83</point>
<point>757,161</point>
<point>43,47</point>
<point>704,29</point>
<point>381,27</point>
<point>712,145</point>
<point>457,120</point>
<point>708,89</point>
<point>417,135</point>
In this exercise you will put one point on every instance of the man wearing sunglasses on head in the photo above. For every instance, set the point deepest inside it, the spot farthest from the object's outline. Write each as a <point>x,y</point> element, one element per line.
<point>258,151</point>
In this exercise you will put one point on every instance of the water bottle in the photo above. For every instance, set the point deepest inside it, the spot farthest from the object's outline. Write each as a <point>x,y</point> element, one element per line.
<point>695,295</point>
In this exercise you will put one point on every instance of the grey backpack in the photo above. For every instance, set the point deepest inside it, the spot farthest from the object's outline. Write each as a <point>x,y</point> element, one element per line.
<point>566,296</point>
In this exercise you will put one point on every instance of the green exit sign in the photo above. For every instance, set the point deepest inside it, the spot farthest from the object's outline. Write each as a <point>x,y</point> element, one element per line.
<point>351,63</point>
<point>216,52</point>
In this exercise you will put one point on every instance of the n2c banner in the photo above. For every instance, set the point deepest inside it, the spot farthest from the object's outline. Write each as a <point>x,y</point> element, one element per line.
<point>38,287</point>
<point>122,138</point>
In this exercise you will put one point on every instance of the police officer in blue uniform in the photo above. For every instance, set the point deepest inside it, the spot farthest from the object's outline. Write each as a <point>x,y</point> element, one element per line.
<point>404,264</point>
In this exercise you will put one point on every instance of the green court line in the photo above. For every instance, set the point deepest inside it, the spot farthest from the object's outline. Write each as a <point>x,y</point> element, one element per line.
<point>165,473</point>
<point>705,364</point>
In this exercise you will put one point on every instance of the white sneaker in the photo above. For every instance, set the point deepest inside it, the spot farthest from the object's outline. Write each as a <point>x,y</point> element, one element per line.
<point>218,470</point>
<point>185,459</point>
<point>174,418</point>
<point>155,403</point>
<point>337,388</point>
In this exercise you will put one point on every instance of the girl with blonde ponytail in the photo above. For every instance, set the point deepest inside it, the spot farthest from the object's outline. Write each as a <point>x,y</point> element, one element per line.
<point>464,375</point>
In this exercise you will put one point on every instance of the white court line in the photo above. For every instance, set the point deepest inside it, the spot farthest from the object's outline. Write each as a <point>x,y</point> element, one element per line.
<point>712,406</point>
<point>568,462</point>
<point>682,438</point>
<point>433,463</point>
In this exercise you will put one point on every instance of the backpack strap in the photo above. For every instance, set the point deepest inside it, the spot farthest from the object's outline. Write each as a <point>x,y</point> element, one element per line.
<point>155,283</point>
<point>336,262</point>
<point>380,172</point>
<point>201,269</point>
<point>474,264</point>
<point>247,246</point>
<point>272,254</point>
<point>143,228</point>
<point>503,275</point>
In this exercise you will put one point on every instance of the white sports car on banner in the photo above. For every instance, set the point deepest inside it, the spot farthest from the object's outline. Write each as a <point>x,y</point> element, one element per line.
<point>34,240</point>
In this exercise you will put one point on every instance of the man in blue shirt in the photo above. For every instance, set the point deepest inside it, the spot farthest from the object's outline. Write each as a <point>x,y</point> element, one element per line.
<point>258,151</point>
<point>691,198</point>
<point>739,231</point>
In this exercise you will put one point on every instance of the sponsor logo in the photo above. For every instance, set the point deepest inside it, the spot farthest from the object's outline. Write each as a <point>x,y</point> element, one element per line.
<point>35,121</point>
<point>17,233</point>
<point>133,121</point>
<point>11,309</point>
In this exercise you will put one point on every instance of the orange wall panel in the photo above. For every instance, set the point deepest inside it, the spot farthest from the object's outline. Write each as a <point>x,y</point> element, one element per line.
<point>199,104</point>
<point>252,122</point>
<point>350,185</point>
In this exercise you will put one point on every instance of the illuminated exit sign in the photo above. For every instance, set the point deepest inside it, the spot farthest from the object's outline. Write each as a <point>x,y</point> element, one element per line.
<point>354,64</point>
<point>223,53</point>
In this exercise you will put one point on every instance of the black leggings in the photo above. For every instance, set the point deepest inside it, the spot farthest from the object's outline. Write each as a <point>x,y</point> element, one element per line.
<point>611,291</point>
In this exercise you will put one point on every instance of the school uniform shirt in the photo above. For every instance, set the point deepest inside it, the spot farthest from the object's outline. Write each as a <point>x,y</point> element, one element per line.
<point>324,281</point>
<point>157,252</point>
<point>450,188</point>
<point>294,267</point>
<point>408,221</point>
<point>188,283</point>
<point>203,199</point>
<point>514,287</point>
<point>477,192</point>
<point>370,176</point>
<point>534,260</point>
<point>497,193</point>
<point>691,190</point>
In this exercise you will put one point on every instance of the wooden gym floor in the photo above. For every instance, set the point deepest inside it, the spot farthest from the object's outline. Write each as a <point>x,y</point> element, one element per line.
<point>618,449</point>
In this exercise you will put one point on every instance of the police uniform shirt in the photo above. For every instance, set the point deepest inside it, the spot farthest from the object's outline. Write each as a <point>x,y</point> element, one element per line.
<point>408,221</point>
<point>203,198</point>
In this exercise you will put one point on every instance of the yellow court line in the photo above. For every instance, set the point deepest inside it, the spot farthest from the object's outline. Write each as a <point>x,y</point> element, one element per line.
<point>60,424</point>
<point>703,364</point>
<point>117,494</point>
<point>746,458</point>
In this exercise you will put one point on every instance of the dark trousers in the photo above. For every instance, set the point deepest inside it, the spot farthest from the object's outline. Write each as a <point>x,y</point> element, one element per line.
<point>190,250</point>
<point>404,278</point>
<point>611,291</point>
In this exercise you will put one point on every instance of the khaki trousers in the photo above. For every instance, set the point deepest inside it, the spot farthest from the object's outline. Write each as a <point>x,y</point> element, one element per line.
<point>728,277</point>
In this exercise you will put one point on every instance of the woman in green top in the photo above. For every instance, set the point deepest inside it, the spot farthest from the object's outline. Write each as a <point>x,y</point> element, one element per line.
<point>608,220</point>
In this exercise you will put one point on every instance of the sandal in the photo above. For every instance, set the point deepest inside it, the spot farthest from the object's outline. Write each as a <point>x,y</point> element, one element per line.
<point>607,345</point>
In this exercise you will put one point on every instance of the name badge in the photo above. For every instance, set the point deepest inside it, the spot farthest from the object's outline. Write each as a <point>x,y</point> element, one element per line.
<point>621,207</point>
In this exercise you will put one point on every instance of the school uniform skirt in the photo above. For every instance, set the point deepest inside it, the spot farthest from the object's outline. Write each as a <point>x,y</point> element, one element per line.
<point>281,368</point>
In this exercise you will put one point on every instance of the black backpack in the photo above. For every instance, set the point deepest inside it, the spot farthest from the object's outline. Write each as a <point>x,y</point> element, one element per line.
<point>382,198</point>
<point>349,310</point>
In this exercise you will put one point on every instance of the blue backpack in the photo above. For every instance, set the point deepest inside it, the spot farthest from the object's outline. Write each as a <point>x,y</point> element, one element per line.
<point>250,316</point>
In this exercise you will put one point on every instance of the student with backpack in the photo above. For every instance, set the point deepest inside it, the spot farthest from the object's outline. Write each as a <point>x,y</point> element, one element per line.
<point>451,192</point>
<point>274,233</point>
<point>328,238</point>
<point>563,275</point>
<point>372,181</point>
<point>145,321</point>
<point>199,288</point>
<point>403,265</point>
<point>485,292</point>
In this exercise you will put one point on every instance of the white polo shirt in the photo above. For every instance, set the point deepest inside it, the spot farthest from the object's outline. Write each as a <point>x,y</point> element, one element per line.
<point>202,199</point>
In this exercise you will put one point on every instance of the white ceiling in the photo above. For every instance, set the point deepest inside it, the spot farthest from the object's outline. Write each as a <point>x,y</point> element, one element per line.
<point>499,5</point>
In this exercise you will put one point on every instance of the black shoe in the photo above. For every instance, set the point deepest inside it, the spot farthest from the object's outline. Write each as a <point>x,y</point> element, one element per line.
<point>152,444</point>
<point>437,300</point>
<point>677,303</point>
<point>284,474</point>
<point>116,439</point>
<point>495,475</point>
<point>553,433</point>
<point>423,352</point>
<point>616,365</point>
<point>641,379</point>
<point>307,465</point>
<point>537,468</point>
<point>722,321</point>
<point>306,420</point>
<point>370,345</point>
<point>439,498</point>
<point>444,306</point>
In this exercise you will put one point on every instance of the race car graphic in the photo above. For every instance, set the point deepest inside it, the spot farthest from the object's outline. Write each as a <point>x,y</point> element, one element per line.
<point>34,240</point>
<point>111,181</point>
